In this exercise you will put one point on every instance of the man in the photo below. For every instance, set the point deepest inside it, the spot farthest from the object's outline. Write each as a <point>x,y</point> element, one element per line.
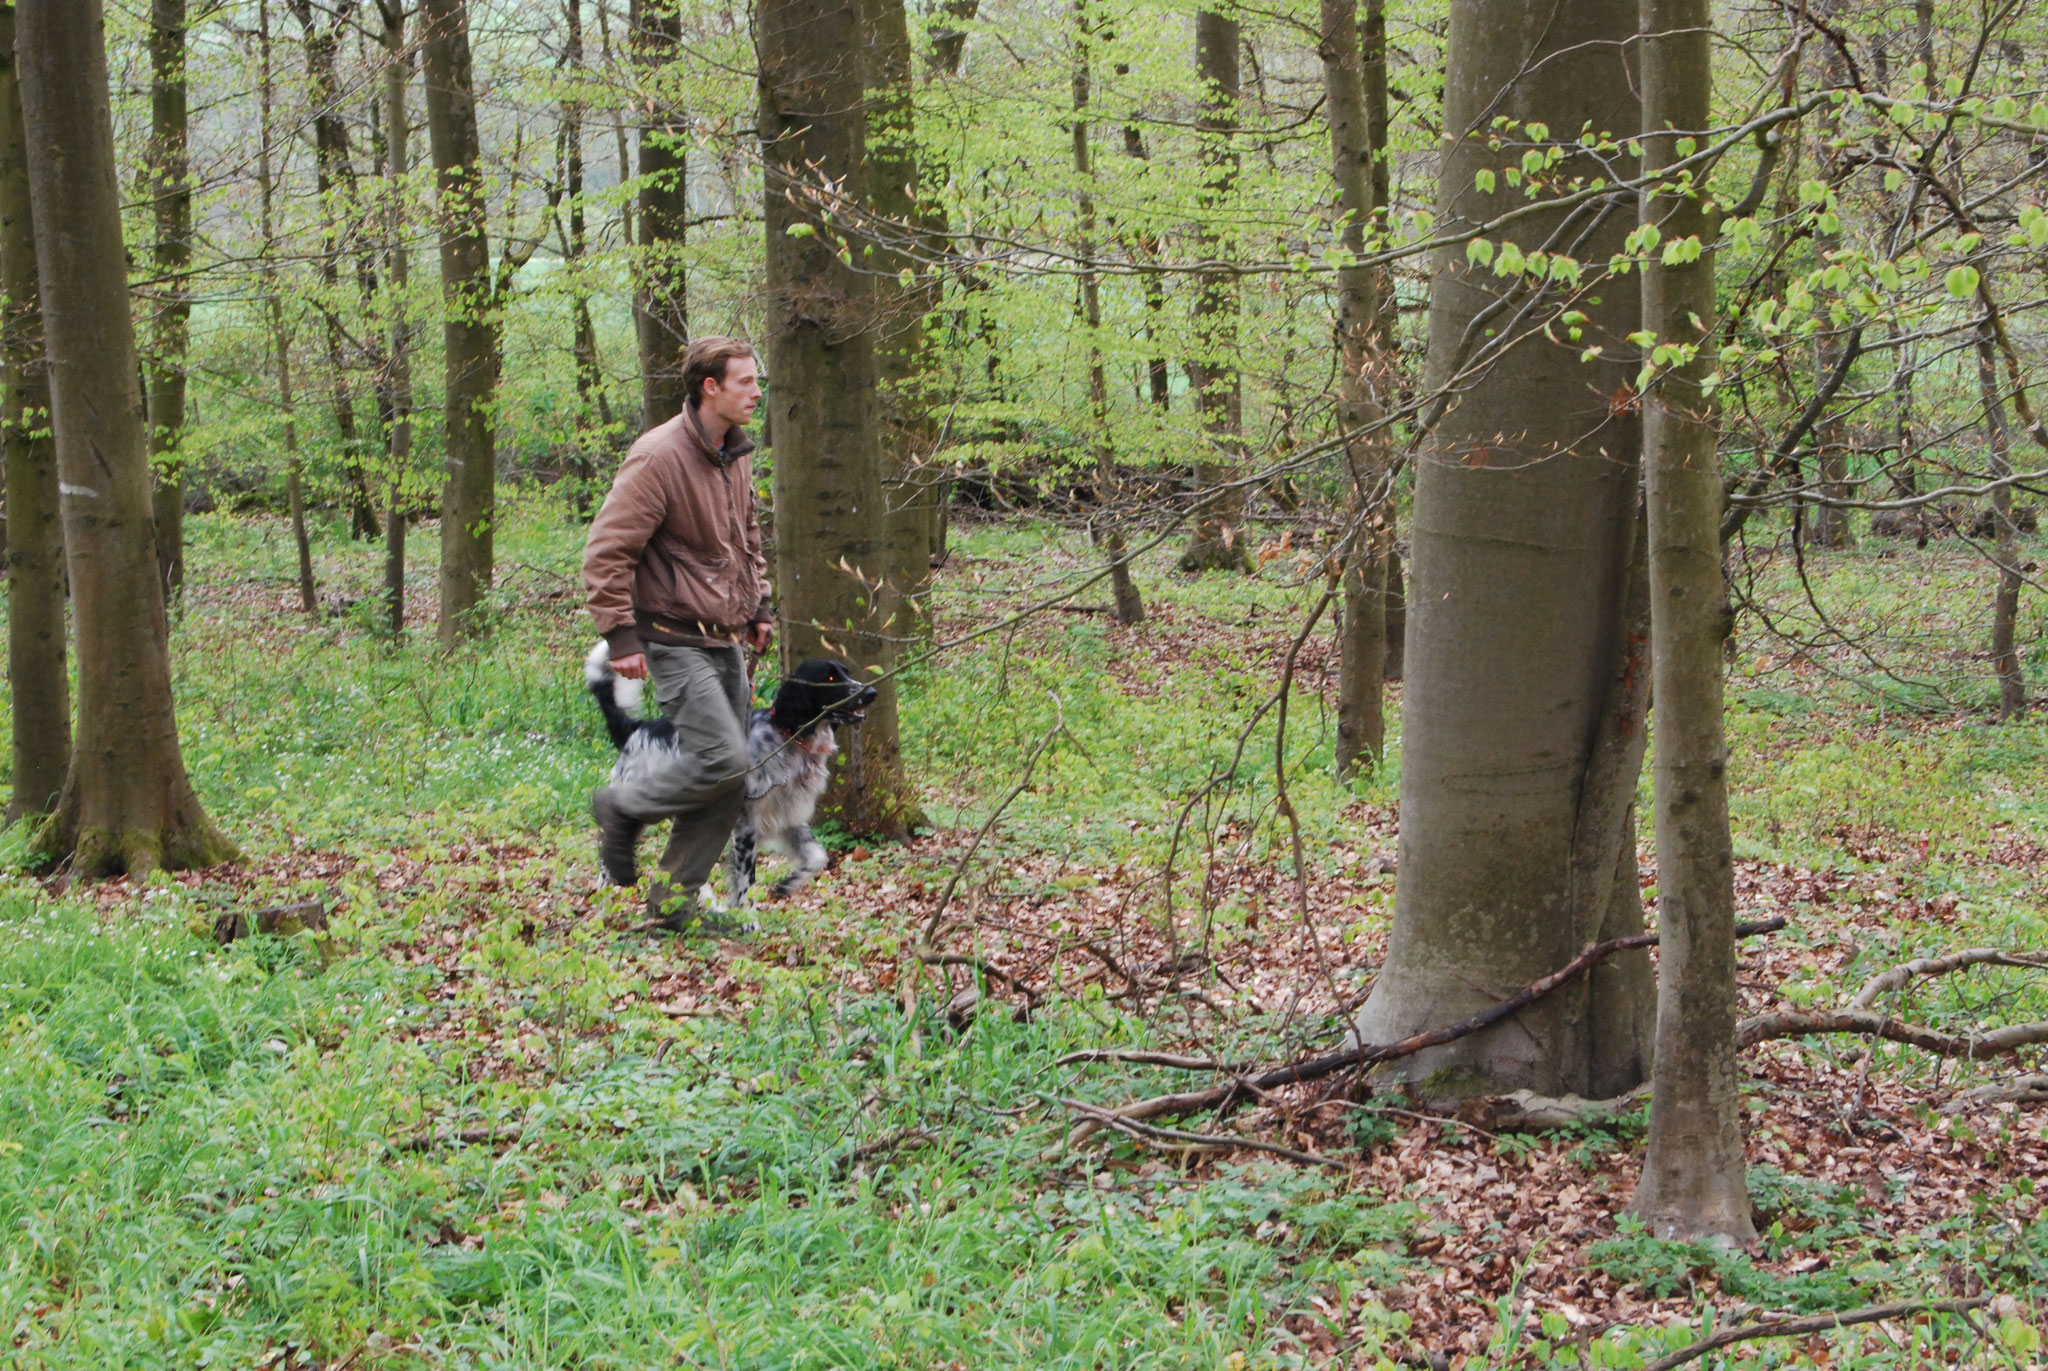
<point>677,584</point>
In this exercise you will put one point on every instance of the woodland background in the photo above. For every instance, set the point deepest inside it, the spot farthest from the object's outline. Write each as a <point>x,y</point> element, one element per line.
<point>1359,510</point>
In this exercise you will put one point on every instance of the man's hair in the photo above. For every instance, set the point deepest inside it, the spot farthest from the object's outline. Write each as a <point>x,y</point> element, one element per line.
<point>705,360</point>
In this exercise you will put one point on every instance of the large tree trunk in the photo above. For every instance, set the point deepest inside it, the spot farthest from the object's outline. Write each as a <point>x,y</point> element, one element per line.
<point>821,352</point>
<point>661,312</point>
<point>395,400</point>
<point>1522,737</point>
<point>1129,606</point>
<point>904,295</point>
<point>1218,541</point>
<point>1692,1184</point>
<point>171,255</point>
<point>469,328</point>
<point>39,687</point>
<point>1361,723</point>
<point>334,180</point>
<point>127,804</point>
<point>2005,601</point>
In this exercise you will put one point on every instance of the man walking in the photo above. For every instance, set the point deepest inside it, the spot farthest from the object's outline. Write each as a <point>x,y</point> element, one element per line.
<point>677,584</point>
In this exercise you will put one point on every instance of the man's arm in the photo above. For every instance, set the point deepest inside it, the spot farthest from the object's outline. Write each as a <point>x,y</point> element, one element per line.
<point>631,512</point>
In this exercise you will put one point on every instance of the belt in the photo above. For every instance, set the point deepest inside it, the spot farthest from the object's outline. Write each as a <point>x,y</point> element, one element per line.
<point>695,627</point>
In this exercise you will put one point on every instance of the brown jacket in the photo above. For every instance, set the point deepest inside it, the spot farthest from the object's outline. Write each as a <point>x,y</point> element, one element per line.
<point>674,556</point>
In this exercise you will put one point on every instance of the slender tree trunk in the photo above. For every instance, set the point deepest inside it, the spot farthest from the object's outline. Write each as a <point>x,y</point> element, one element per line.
<point>1828,526</point>
<point>1129,605</point>
<point>1361,723</point>
<point>395,404</point>
<point>625,154</point>
<point>904,295</point>
<point>335,186</point>
<point>469,328</point>
<point>821,354</point>
<point>593,409</point>
<point>39,686</point>
<point>1692,1184</point>
<point>1384,337</point>
<point>171,255</point>
<point>1522,729</point>
<point>1218,541</point>
<point>661,302</point>
<point>2005,601</point>
<point>127,804</point>
<point>280,335</point>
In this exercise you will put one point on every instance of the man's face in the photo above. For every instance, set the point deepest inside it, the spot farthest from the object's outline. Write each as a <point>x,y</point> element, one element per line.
<point>735,398</point>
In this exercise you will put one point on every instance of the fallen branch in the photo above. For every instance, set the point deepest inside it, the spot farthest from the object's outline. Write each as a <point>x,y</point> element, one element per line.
<point>933,957</point>
<point>466,1137</point>
<point>902,1137</point>
<point>1901,976</point>
<point>2019,1090</point>
<point>1172,1059</point>
<point>1315,1068</point>
<point>1812,1323</point>
<point>1108,1119</point>
<point>1763,1028</point>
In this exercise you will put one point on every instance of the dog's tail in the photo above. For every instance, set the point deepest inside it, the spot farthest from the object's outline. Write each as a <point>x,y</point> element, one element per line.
<point>618,697</point>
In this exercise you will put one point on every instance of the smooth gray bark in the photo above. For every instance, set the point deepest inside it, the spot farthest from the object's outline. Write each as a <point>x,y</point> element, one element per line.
<point>1521,720</point>
<point>127,804</point>
<point>1693,1183</point>
<point>2005,600</point>
<point>395,404</point>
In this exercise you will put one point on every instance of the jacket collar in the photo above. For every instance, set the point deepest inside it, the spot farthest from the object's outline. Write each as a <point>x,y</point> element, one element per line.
<point>738,442</point>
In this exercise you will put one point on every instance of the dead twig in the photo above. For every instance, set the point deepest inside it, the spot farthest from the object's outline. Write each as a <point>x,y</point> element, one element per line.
<point>1812,1323</point>
<point>1107,1119</point>
<point>1903,975</point>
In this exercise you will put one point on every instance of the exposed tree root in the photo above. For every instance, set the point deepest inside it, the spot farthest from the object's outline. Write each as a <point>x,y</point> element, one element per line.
<point>1869,1022</point>
<point>1363,1055</point>
<point>1812,1323</point>
<point>1903,975</point>
<point>1525,1111</point>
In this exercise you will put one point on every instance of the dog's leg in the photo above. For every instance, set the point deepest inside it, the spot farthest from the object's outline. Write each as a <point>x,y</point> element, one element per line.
<point>809,855</point>
<point>739,864</point>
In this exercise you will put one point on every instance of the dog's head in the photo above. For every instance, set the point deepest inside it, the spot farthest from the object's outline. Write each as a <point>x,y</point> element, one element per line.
<point>820,692</point>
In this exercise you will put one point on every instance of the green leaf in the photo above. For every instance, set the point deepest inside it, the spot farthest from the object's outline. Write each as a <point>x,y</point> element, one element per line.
<point>1894,178</point>
<point>1478,252</point>
<point>1485,180</point>
<point>1962,282</point>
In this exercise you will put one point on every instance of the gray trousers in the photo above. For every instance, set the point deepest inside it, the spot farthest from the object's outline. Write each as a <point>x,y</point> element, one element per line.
<point>702,784</point>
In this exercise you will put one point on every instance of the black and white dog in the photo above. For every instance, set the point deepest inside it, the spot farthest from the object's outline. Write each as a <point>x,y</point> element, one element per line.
<point>788,746</point>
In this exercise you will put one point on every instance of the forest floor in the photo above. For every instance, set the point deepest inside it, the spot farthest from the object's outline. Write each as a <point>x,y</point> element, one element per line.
<point>480,1121</point>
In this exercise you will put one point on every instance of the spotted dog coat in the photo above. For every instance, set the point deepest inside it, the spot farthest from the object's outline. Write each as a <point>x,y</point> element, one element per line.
<point>789,745</point>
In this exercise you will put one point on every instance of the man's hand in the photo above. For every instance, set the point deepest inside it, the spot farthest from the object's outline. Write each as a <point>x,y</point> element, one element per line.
<point>759,635</point>
<point>633,668</point>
